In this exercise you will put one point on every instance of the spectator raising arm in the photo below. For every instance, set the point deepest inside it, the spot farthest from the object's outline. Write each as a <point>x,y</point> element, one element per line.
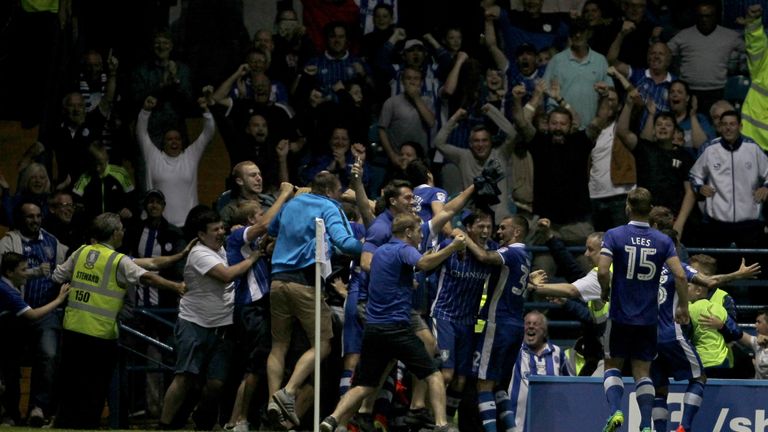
<point>451,152</point>
<point>452,81</point>
<point>612,56</point>
<point>627,137</point>
<point>522,122</point>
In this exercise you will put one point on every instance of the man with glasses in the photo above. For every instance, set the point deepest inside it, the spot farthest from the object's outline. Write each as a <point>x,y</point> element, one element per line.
<point>63,221</point>
<point>42,252</point>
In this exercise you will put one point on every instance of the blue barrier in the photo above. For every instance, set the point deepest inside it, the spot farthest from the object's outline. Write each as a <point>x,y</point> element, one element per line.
<point>561,403</point>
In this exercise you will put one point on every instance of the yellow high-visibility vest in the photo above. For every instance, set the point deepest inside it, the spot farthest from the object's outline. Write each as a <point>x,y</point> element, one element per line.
<point>40,5</point>
<point>95,298</point>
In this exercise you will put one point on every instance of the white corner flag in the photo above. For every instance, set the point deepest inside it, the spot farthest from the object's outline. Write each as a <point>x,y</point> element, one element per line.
<point>322,253</point>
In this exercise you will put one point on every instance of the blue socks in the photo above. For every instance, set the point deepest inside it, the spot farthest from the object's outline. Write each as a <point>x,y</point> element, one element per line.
<point>487,408</point>
<point>660,414</point>
<point>452,401</point>
<point>644,392</point>
<point>504,409</point>
<point>345,382</point>
<point>614,388</point>
<point>692,402</point>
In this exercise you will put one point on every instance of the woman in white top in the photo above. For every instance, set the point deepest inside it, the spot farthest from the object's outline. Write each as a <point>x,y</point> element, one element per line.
<point>173,169</point>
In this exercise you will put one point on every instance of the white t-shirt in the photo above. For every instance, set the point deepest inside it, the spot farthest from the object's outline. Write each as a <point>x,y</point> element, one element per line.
<point>207,302</point>
<point>175,176</point>
<point>588,286</point>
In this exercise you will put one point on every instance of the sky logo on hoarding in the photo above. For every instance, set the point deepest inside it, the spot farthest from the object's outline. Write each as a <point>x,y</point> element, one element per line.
<point>721,420</point>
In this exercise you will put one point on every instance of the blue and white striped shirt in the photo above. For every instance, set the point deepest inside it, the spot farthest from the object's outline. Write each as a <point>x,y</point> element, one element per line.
<point>648,88</point>
<point>550,362</point>
<point>40,290</point>
<point>460,286</point>
<point>253,285</point>
<point>332,70</point>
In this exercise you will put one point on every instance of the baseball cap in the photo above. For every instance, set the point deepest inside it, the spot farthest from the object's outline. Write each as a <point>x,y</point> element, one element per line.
<point>525,48</point>
<point>156,193</point>
<point>413,43</point>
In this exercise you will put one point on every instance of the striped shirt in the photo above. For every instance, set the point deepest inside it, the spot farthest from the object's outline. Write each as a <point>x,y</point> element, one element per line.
<point>253,285</point>
<point>551,362</point>
<point>92,97</point>
<point>460,284</point>
<point>332,70</point>
<point>507,287</point>
<point>40,290</point>
<point>648,88</point>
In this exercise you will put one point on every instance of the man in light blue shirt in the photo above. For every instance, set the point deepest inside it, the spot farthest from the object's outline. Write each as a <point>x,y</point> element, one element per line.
<point>292,293</point>
<point>578,70</point>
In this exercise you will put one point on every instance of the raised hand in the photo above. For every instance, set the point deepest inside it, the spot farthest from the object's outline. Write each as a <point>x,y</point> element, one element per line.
<point>460,114</point>
<point>518,91</point>
<point>694,106</point>
<point>627,27</point>
<point>399,34</point>
<point>544,226</point>
<point>282,148</point>
<point>358,151</point>
<point>650,105</point>
<point>754,12</point>
<point>553,90</point>
<point>112,65</point>
<point>460,241</point>
<point>748,272</point>
<point>150,103</point>
<point>286,189</point>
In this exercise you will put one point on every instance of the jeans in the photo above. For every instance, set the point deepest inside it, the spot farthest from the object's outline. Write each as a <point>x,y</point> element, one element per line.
<point>43,336</point>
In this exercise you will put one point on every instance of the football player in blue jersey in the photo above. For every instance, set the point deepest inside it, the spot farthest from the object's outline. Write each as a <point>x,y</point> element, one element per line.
<point>460,283</point>
<point>503,314</point>
<point>637,253</point>
<point>677,356</point>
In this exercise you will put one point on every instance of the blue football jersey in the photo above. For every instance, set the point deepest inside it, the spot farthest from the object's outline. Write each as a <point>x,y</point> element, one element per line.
<point>460,283</point>
<point>668,329</point>
<point>424,196</point>
<point>507,286</point>
<point>639,253</point>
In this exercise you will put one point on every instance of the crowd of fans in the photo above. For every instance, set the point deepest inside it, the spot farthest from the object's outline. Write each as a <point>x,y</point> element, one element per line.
<point>536,117</point>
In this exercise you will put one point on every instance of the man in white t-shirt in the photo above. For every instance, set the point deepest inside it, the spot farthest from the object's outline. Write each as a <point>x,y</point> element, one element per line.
<point>612,170</point>
<point>205,315</point>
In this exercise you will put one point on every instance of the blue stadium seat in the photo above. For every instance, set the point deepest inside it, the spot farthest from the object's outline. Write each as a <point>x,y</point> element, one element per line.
<point>736,89</point>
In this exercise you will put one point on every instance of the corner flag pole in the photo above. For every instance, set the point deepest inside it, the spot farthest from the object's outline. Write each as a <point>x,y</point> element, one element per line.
<point>320,257</point>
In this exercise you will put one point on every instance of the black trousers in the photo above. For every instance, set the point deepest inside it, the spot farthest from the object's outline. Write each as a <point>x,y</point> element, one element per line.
<point>87,364</point>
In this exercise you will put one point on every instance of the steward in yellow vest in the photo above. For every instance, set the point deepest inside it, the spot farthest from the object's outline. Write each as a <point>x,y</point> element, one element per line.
<point>95,298</point>
<point>99,279</point>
